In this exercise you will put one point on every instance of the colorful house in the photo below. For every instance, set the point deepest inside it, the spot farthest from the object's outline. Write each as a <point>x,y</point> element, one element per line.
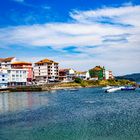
<point>97,72</point>
<point>24,65</point>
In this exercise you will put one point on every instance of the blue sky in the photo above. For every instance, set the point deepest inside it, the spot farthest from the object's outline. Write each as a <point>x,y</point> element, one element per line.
<point>77,33</point>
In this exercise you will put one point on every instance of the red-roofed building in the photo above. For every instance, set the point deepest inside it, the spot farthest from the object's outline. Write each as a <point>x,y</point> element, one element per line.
<point>67,74</point>
<point>46,70</point>
<point>24,65</point>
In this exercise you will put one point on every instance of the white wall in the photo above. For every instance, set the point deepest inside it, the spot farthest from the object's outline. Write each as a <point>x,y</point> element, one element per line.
<point>8,64</point>
<point>106,74</point>
<point>3,78</point>
<point>17,75</point>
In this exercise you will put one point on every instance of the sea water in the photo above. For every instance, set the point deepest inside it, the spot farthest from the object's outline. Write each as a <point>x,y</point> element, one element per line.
<point>86,114</point>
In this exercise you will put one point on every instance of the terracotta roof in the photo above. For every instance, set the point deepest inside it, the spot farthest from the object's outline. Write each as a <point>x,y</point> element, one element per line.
<point>7,59</point>
<point>80,72</point>
<point>97,68</point>
<point>45,61</point>
<point>1,59</point>
<point>22,62</point>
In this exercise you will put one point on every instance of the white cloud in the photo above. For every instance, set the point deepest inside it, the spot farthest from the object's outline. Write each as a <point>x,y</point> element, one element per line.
<point>115,32</point>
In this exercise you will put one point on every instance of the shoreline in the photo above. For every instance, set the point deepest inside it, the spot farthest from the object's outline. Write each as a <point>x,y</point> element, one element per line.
<point>69,85</point>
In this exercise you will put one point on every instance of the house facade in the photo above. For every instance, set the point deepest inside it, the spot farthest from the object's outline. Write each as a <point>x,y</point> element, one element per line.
<point>46,71</point>
<point>17,77</point>
<point>24,65</point>
<point>97,72</point>
<point>3,78</point>
<point>108,74</point>
<point>67,75</point>
<point>83,75</point>
<point>5,63</point>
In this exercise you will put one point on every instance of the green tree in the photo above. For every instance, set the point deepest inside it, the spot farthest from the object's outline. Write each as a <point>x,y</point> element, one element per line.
<point>78,80</point>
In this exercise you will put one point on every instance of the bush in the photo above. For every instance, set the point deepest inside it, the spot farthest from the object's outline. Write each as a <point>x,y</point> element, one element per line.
<point>78,80</point>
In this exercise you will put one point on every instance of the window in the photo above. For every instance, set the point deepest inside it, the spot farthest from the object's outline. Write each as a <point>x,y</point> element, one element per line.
<point>3,75</point>
<point>3,79</point>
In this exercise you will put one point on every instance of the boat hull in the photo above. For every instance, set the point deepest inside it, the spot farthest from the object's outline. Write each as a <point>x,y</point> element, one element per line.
<point>128,89</point>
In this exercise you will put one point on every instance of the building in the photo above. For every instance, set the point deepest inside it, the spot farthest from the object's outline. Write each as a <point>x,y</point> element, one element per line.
<point>46,70</point>
<point>16,73</point>
<point>111,75</point>
<point>17,77</point>
<point>97,72</point>
<point>3,78</point>
<point>6,62</point>
<point>63,74</point>
<point>1,61</point>
<point>24,65</point>
<point>83,75</point>
<point>67,75</point>
<point>108,75</point>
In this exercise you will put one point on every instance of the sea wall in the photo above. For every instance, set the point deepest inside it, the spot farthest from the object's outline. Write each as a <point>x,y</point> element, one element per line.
<point>54,86</point>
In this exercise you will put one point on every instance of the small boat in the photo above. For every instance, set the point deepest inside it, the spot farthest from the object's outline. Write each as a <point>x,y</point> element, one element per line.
<point>128,88</point>
<point>73,89</point>
<point>113,89</point>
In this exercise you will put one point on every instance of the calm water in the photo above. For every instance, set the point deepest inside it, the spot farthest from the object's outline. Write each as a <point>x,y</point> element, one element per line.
<point>87,114</point>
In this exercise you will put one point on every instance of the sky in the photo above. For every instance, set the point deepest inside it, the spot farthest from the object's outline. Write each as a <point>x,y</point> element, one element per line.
<point>78,34</point>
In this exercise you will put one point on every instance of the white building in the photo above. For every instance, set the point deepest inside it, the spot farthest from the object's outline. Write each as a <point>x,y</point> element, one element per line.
<point>70,74</point>
<point>108,74</point>
<point>3,78</point>
<point>6,62</point>
<point>83,75</point>
<point>67,75</point>
<point>46,70</point>
<point>17,77</point>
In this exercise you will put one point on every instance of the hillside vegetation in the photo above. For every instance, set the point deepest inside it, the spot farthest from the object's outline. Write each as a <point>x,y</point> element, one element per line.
<point>132,77</point>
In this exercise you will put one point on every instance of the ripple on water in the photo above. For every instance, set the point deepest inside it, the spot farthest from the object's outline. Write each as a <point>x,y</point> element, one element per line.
<point>89,114</point>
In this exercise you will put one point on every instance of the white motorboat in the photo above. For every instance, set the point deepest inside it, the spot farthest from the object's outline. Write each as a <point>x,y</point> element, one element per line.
<point>113,89</point>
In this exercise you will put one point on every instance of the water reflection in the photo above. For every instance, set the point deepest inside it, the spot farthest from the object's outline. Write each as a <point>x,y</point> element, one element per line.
<point>18,101</point>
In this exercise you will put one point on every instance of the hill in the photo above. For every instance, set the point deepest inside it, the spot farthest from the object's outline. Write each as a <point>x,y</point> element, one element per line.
<point>132,77</point>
